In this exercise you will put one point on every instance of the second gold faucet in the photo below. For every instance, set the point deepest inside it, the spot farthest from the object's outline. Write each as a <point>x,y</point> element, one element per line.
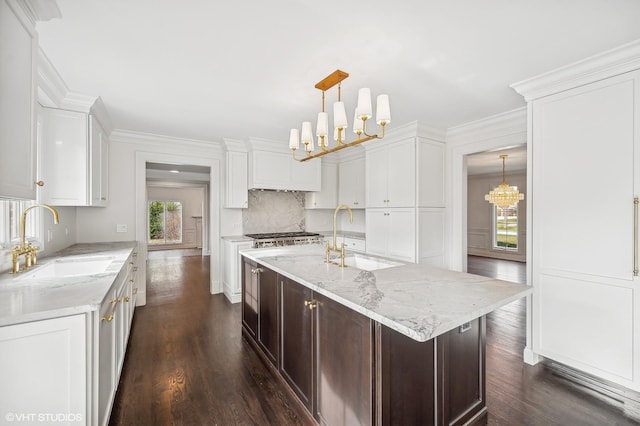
<point>335,244</point>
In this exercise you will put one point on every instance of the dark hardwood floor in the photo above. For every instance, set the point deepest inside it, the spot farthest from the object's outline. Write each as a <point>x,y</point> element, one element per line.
<point>187,364</point>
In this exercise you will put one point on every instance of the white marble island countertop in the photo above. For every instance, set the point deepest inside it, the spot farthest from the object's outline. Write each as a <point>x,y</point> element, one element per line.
<point>24,298</point>
<point>419,301</point>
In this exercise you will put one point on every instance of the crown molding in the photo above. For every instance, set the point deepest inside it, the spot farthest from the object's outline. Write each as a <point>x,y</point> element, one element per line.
<point>42,10</point>
<point>262,144</point>
<point>155,141</point>
<point>53,92</point>
<point>597,67</point>
<point>235,145</point>
<point>496,126</point>
<point>51,87</point>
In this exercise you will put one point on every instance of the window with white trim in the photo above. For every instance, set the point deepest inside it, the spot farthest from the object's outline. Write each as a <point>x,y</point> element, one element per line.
<point>10,212</point>
<point>505,228</point>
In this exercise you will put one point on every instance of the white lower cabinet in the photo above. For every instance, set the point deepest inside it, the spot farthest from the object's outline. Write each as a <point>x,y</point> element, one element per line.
<point>42,374</point>
<point>392,233</point>
<point>232,275</point>
<point>68,367</point>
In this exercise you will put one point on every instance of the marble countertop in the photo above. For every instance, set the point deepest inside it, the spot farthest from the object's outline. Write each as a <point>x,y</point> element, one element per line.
<point>24,299</point>
<point>419,301</point>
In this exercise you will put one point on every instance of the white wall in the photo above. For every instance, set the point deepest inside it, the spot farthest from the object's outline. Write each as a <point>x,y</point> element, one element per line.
<point>480,216</point>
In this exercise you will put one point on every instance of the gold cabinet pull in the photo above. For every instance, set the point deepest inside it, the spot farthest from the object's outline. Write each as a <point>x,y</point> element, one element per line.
<point>109,317</point>
<point>256,270</point>
<point>635,236</point>
<point>40,183</point>
<point>311,304</point>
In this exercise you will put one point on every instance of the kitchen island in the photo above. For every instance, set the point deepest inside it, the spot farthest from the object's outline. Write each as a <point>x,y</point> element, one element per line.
<point>378,342</point>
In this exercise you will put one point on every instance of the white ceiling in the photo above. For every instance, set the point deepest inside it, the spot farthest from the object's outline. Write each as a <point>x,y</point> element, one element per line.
<point>490,161</point>
<point>207,70</point>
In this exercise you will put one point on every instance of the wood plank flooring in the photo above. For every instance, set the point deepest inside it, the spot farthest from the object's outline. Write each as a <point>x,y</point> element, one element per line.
<point>187,364</point>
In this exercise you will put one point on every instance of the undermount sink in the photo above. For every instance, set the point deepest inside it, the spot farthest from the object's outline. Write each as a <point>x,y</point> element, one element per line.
<point>70,268</point>
<point>369,263</point>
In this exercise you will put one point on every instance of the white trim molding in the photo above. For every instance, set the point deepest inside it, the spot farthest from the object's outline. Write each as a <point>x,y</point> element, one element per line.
<point>597,67</point>
<point>499,131</point>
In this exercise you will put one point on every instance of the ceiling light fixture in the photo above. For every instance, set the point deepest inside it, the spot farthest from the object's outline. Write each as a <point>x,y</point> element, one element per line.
<point>362,113</point>
<point>504,195</point>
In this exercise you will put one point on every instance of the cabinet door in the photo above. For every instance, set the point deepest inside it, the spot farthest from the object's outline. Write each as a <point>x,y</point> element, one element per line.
<point>18,56</point>
<point>63,158</point>
<point>402,234</point>
<point>401,174</point>
<point>392,233</point>
<point>376,178</point>
<point>107,335</point>
<point>351,190</point>
<point>99,170</point>
<point>250,297</point>
<point>461,358</point>
<point>44,367</point>
<point>407,372</point>
<point>586,139</point>
<point>237,195</point>
<point>377,227</point>
<point>296,356</point>
<point>344,364</point>
<point>268,315</point>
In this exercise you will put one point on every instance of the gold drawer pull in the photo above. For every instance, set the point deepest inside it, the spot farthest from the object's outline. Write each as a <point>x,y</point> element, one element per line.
<point>109,317</point>
<point>635,237</point>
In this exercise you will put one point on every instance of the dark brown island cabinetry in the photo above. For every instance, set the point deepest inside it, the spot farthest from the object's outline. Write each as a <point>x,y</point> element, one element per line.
<point>347,369</point>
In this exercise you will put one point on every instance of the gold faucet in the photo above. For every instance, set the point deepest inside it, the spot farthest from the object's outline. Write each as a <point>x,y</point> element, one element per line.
<point>335,244</point>
<point>27,249</point>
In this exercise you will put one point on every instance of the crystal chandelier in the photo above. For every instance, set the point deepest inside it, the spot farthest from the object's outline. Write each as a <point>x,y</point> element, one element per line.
<point>363,113</point>
<point>504,195</point>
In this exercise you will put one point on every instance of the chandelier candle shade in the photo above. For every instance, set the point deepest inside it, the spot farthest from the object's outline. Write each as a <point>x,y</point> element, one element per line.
<point>504,195</point>
<point>363,113</point>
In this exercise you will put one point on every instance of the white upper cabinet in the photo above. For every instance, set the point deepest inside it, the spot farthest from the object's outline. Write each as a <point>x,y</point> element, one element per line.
<point>18,55</point>
<point>237,196</point>
<point>327,197</point>
<point>73,159</point>
<point>279,171</point>
<point>351,183</point>
<point>391,175</point>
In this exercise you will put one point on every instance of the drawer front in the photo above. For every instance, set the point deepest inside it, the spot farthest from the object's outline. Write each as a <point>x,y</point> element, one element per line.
<point>355,244</point>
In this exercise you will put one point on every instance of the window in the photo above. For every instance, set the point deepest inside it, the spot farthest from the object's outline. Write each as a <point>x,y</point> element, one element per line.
<point>10,212</point>
<point>505,225</point>
<point>165,222</point>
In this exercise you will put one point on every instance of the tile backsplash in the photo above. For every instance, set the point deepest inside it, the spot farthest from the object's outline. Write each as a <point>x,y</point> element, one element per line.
<point>274,211</point>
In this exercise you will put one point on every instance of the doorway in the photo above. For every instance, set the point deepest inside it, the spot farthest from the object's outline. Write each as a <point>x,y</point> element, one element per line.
<point>177,206</point>
<point>180,172</point>
<point>493,231</point>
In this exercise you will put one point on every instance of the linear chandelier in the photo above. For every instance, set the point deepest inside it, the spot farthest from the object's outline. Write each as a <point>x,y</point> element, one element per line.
<point>504,195</point>
<point>363,113</point>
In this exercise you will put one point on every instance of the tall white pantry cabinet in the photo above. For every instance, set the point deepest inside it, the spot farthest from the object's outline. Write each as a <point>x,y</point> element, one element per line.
<point>584,174</point>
